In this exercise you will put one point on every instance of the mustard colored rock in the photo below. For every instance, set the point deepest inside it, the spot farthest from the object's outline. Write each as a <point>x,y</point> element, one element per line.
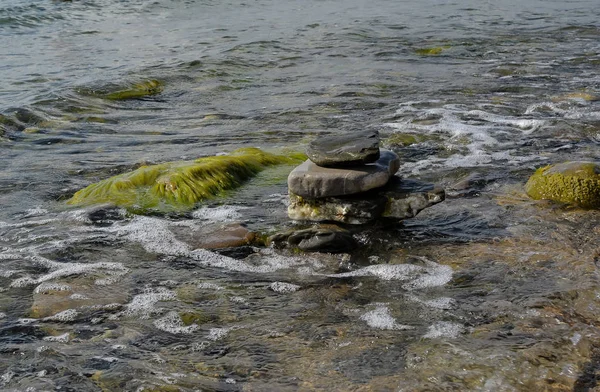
<point>177,186</point>
<point>574,183</point>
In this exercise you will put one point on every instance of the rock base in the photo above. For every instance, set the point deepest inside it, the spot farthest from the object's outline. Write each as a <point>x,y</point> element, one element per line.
<point>399,199</point>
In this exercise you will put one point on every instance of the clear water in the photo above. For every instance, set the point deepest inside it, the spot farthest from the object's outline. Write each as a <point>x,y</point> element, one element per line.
<point>487,291</point>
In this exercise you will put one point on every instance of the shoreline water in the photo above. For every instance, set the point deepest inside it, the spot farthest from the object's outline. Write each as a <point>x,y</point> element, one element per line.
<point>487,291</point>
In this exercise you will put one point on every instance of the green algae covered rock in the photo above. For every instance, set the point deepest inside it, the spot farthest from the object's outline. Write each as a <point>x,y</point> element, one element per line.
<point>136,91</point>
<point>141,89</point>
<point>177,186</point>
<point>574,183</point>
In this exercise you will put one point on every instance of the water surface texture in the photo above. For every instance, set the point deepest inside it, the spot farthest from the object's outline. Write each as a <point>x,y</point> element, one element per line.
<point>488,291</point>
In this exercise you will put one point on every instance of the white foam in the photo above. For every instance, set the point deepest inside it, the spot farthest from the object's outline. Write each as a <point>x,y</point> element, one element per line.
<point>419,277</point>
<point>217,333</point>
<point>6,377</point>
<point>441,303</point>
<point>219,213</point>
<point>381,318</point>
<point>209,286</point>
<point>40,222</point>
<point>2,315</point>
<point>8,273</point>
<point>238,300</point>
<point>434,275</point>
<point>64,316</point>
<point>283,288</point>
<point>36,211</point>
<point>78,296</point>
<point>444,329</point>
<point>48,287</point>
<point>473,130</point>
<point>60,270</point>
<point>143,305</point>
<point>155,237</point>
<point>64,338</point>
<point>172,323</point>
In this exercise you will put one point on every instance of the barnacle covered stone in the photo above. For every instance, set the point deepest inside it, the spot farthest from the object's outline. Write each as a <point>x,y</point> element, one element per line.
<point>574,183</point>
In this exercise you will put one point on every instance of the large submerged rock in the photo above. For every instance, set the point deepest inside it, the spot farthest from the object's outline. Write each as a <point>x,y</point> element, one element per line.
<point>311,180</point>
<point>342,151</point>
<point>177,186</point>
<point>574,183</point>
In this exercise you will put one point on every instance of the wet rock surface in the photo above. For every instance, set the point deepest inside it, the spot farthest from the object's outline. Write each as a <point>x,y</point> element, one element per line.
<point>354,149</point>
<point>311,180</point>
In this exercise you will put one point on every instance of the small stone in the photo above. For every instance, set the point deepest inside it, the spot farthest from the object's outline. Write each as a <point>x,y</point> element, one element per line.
<point>229,236</point>
<point>325,238</point>
<point>574,183</point>
<point>312,181</point>
<point>347,150</point>
<point>400,199</point>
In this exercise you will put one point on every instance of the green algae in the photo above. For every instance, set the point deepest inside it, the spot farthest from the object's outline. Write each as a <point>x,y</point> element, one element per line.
<point>573,183</point>
<point>430,51</point>
<point>178,186</point>
<point>189,318</point>
<point>137,90</point>
<point>406,139</point>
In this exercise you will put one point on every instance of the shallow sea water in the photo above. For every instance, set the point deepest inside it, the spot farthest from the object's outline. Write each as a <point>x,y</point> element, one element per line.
<point>487,291</point>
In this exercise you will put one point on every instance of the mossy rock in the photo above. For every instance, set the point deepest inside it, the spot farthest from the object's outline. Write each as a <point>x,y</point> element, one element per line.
<point>434,51</point>
<point>406,139</point>
<point>178,186</point>
<point>137,90</point>
<point>573,183</point>
<point>197,317</point>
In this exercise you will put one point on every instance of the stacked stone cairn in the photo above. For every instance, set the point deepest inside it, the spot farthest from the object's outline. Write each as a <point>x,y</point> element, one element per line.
<point>349,179</point>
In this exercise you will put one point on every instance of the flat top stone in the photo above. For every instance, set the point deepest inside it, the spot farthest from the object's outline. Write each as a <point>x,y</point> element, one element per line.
<point>312,181</point>
<point>345,150</point>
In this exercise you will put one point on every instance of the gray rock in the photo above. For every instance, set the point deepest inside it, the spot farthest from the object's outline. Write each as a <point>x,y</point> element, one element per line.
<point>311,181</point>
<point>400,199</point>
<point>347,150</point>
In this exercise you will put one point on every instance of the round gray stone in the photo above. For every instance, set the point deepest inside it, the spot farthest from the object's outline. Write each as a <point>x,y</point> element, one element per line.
<point>345,150</point>
<point>312,181</point>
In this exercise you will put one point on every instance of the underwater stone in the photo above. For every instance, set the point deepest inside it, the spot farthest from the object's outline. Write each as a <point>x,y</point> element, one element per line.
<point>136,91</point>
<point>312,181</point>
<point>328,238</point>
<point>347,150</point>
<point>574,183</point>
<point>400,199</point>
<point>51,299</point>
